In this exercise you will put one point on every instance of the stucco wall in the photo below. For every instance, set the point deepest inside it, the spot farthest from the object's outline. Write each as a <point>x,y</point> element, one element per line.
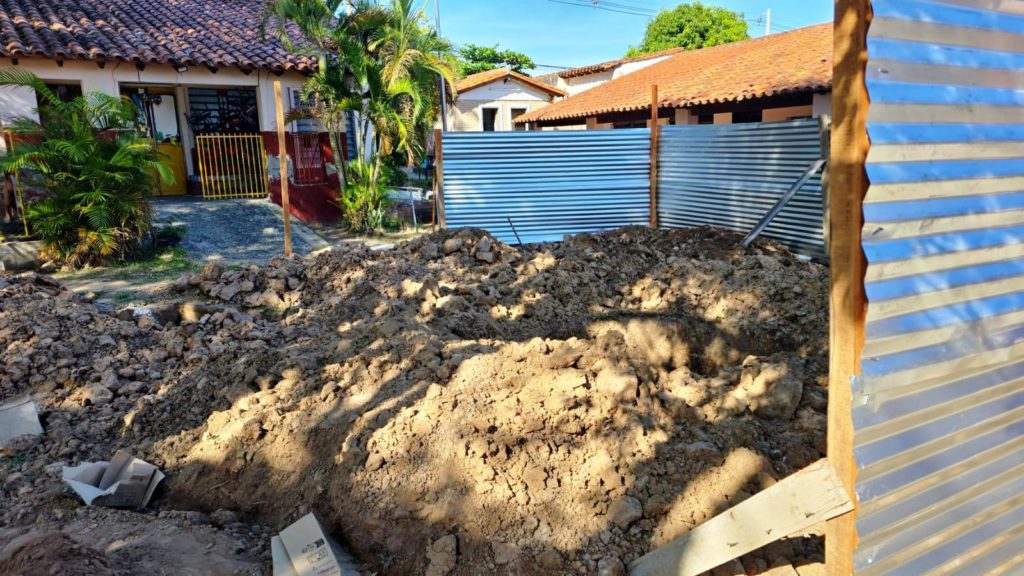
<point>109,79</point>
<point>467,113</point>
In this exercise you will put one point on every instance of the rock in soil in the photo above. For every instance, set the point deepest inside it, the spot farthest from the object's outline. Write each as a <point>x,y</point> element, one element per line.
<point>452,406</point>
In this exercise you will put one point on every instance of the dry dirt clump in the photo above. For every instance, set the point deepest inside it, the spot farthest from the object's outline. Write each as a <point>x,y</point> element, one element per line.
<point>454,405</point>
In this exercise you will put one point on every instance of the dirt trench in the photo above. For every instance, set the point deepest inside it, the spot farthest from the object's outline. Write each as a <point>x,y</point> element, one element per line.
<point>453,406</point>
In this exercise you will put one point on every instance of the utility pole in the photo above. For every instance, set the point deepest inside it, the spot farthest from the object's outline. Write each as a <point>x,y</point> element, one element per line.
<point>768,22</point>
<point>440,79</point>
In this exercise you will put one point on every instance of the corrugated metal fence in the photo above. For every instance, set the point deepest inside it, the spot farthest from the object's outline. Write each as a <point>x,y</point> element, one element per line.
<point>548,183</point>
<point>731,175</point>
<point>939,413</point>
<point>555,183</point>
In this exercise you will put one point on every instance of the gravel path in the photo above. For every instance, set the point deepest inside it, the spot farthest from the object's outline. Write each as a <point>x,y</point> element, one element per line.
<point>235,230</point>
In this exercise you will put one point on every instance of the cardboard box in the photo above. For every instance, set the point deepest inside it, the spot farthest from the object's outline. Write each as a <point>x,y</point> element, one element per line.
<point>18,418</point>
<point>124,482</point>
<point>305,549</point>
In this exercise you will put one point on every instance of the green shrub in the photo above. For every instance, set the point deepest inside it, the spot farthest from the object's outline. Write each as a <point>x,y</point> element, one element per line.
<point>99,170</point>
<point>363,200</point>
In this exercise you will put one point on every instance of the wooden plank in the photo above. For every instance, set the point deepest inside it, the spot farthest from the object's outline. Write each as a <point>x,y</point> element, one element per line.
<point>442,219</point>
<point>282,151</point>
<point>808,497</point>
<point>847,186</point>
<point>655,130</point>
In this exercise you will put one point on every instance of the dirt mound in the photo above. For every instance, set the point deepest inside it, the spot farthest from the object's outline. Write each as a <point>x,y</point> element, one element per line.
<point>454,405</point>
<point>47,553</point>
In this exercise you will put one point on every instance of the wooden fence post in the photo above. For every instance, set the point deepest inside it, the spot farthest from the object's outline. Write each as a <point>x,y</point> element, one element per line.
<point>439,176</point>
<point>655,129</point>
<point>848,184</point>
<point>282,150</point>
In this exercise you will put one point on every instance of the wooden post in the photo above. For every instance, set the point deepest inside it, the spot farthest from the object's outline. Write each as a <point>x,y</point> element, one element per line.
<point>848,184</point>
<point>442,219</point>
<point>282,150</point>
<point>655,129</point>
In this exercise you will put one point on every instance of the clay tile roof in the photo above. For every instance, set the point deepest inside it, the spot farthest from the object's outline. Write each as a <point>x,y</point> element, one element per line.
<point>481,78</point>
<point>796,61</point>
<point>218,33</point>
<point>603,66</point>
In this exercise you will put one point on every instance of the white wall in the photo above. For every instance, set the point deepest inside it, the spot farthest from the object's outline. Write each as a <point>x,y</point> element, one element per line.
<point>578,84</point>
<point>630,67</point>
<point>822,105</point>
<point>108,80</point>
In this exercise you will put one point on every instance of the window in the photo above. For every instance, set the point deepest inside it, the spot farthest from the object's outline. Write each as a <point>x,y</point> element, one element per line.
<point>223,111</point>
<point>350,134</point>
<point>516,113</point>
<point>746,117</point>
<point>307,125</point>
<point>705,119</point>
<point>66,92</point>
<point>630,124</point>
<point>490,119</point>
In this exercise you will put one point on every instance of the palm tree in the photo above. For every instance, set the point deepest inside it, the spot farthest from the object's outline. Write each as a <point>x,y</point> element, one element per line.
<point>378,61</point>
<point>97,167</point>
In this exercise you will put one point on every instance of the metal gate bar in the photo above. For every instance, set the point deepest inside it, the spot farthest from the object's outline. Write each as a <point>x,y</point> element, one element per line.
<point>309,160</point>
<point>232,166</point>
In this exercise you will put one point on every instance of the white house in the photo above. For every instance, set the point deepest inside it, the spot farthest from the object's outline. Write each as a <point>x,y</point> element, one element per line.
<point>490,101</point>
<point>195,68</point>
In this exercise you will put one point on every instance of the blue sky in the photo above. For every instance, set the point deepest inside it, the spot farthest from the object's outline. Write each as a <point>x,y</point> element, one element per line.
<point>560,35</point>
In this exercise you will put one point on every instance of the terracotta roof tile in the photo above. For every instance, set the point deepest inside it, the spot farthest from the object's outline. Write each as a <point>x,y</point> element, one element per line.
<point>795,61</point>
<point>218,33</point>
<point>481,78</point>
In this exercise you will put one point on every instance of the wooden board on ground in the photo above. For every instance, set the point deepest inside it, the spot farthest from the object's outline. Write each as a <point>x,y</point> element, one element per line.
<point>810,496</point>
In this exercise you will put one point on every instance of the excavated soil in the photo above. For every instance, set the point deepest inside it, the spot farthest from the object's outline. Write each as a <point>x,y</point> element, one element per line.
<point>452,406</point>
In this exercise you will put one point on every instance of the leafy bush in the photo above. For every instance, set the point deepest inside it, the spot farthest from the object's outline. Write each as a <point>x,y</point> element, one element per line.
<point>364,199</point>
<point>99,170</point>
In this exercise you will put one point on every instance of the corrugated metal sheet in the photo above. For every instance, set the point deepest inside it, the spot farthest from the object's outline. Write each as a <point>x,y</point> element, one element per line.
<point>731,175</point>
<point>939,412</point>
<point>549,183</point>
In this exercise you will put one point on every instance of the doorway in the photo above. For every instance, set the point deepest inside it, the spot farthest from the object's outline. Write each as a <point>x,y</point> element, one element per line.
<point>158,116</point>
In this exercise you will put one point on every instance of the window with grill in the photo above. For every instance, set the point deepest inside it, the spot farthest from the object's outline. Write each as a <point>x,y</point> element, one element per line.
<point>223,111</point>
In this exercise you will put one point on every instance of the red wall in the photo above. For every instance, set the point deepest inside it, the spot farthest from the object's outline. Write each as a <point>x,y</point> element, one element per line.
<point>312,202</point>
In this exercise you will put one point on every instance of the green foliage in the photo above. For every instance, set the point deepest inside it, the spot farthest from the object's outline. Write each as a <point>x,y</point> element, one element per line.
<point>379,60</point>
<point>393,175</point>
<point>691,26</point>
<point>364,200</point>
<point>98,169</point>
<point>474,58</point>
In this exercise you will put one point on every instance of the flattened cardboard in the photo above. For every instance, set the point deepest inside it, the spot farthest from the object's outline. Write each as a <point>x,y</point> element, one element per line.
<point>18,417</point>
<point>305,549</point>
<point>124,482</point>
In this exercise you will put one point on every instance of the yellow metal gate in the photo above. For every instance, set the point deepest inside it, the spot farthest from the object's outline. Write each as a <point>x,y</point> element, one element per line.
<point>232,165</point>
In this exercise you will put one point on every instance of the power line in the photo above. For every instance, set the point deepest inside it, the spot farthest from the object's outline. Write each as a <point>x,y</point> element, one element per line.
<point>608,7</point>
<point>624,7</point>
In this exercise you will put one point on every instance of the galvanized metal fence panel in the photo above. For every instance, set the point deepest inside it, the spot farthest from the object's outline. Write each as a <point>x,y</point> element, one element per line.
<point>939,411</point>
<point>548,183</point>
<point>732,175</point>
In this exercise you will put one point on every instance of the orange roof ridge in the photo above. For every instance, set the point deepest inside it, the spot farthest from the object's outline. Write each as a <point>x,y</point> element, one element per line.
<point>798,60</point>
<point>487,76</point>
